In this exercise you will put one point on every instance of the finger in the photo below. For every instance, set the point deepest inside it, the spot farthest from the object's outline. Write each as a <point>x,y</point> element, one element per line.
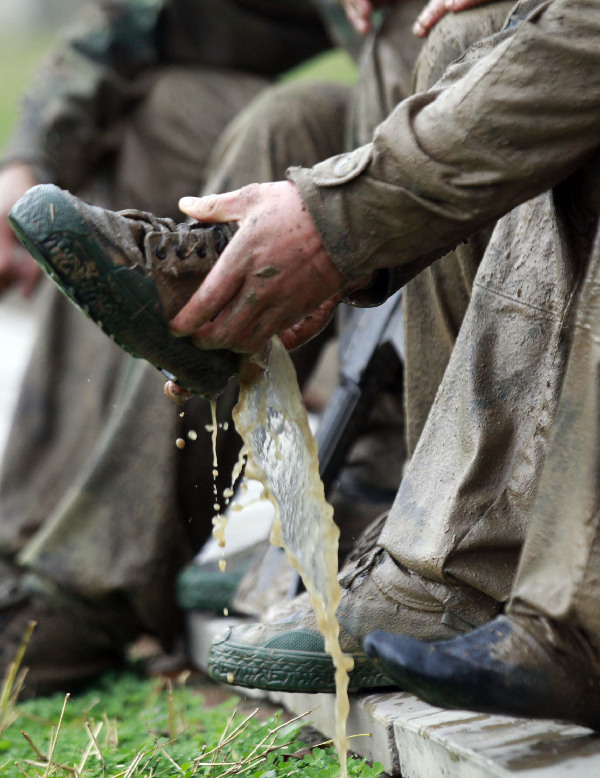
<point>250,340</point>
<point>362,24</point>
<point>245,328</point>
<point>463,5</point>
<point>244,331</point>
<point>220,286</point>
<point>429,16</point>
<point>231,206</point>
<point>359,14</point>
<point>175,393</point>
<point>304,331</point>
<point>310,326</point>
<point>256,340</point>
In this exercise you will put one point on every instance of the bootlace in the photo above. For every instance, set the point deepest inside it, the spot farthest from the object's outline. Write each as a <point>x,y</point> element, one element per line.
<point>188,238</point>
<point>189,241</point>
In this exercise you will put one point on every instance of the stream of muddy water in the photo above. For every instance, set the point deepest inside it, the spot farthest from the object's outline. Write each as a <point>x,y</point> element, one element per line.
<point>282,454</point>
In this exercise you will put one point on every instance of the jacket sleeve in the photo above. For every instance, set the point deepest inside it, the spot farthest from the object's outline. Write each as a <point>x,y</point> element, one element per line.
<point>513,117</point>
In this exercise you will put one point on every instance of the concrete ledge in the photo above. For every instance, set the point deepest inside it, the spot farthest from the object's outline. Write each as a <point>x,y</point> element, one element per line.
<point>415,740</point>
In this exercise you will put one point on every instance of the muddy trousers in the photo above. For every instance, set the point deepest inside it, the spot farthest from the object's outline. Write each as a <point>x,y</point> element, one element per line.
<point>501,494</point>
<point>559,570</point>
<point>95,498</point>
<point>500,499</point>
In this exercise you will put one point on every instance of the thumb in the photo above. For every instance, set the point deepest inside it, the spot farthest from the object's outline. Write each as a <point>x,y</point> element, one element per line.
<point>231,206</point>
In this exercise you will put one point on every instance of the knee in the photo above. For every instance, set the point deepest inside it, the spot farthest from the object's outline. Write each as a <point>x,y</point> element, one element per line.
<point>453,35</point>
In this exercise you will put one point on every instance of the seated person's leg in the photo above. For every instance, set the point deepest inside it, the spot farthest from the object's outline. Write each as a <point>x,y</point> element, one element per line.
<point>76,415</point>
<point>377,588</point>
<point>541,658</point>
<point>436,300</point>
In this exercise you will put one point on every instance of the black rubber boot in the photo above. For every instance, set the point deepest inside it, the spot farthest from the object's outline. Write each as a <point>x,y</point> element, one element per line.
<point>516,665</point>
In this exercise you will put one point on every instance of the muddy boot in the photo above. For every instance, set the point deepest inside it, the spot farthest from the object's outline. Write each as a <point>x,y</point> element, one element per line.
<point>130,272</point>
<point>516,665</point>
<point>206,586</point>
<point>73,641</point>
<point>288,653</point>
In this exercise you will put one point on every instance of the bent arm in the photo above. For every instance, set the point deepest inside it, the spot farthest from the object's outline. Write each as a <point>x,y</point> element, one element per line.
<point>72,114</point>
<point>515,116</point>
<point>68,114</point>
<point>512,118</point>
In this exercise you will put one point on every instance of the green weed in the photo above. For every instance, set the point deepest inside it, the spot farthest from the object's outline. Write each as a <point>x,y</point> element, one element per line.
<point>128,726</point>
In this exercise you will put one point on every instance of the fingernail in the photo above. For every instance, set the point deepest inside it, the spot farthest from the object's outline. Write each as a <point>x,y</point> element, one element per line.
<point>417,28</point>
<point>175,334</point>
<point>187,202</point>
<point>175,393</point>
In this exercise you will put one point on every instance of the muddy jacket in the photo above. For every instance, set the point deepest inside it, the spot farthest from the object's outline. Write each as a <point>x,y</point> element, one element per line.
<point>71,115</point>
<point>515,116</point>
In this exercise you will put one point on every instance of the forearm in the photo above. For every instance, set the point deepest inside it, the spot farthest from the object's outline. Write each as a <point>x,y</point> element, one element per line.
<point>513,118</point>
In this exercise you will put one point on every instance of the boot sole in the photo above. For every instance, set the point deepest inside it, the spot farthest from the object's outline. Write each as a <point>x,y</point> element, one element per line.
<point>287,671</point>
<point>122,301</point>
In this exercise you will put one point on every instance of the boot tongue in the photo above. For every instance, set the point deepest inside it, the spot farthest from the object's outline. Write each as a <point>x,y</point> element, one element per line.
<point>178,258</point>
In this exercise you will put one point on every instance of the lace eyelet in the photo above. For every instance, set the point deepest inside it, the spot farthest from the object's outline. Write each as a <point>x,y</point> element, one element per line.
<point>179,252</point>
<point>221,240</point>
<point>201,251</point>
<point>160,251</point>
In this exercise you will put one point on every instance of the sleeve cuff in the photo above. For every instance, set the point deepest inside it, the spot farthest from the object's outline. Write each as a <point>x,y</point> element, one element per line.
<point>320,188</point>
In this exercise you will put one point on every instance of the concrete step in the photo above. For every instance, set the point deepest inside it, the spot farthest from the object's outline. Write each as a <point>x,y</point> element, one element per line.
<point>415,740</point>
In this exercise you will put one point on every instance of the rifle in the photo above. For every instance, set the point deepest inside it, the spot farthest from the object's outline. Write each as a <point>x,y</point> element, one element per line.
<point>363,360</point>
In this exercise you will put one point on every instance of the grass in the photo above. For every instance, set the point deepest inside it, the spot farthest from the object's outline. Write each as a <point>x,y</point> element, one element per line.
<point>19,56</point>
<point>128,727</point>
<point>334,65</point>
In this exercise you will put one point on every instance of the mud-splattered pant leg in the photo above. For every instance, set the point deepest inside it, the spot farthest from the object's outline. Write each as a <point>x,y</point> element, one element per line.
<point>559,571</point>
<point>485,357</point>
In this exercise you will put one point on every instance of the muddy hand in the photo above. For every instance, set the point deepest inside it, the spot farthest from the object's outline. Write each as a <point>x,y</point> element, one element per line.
<point>273,273</point>
<point>437,9</point>
<point>17,268</point>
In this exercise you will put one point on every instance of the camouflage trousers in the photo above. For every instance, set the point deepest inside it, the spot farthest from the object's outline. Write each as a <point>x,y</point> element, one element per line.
<point>95,498</point>
<point>494,386</point>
